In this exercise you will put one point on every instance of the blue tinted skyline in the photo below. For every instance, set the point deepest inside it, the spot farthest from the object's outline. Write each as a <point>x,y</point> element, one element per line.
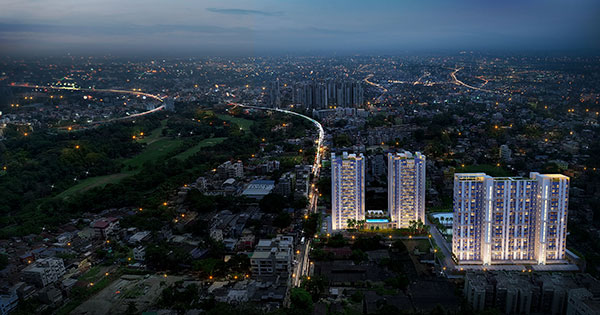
<point>271,26</point>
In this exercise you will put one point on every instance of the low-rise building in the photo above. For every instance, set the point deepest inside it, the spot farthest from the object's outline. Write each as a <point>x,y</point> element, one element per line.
<point>272,257</point>
<point>582,302</point>
<point>139,237</point>
<point>258,189</point>
<point>9,299</point>
<point>105,227</point>
<point>44,271</point>
<point>139,253</point>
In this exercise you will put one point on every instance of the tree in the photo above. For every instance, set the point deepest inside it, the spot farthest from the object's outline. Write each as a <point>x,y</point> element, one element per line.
<point>351,223</point>
<point>300,203</point>
<point>131,309</point>
<point>360,224</point>
<point>301,300</point>
<point>312,224</point>
<point>358,256</point>
<point>272,203</point>
<point>282,220</point>
<point>417,227</point>
<point>315,286</point>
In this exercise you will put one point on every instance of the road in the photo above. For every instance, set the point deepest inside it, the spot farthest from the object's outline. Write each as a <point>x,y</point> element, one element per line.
<point>137,93</point>
<point>379,86</point>
<point>303,267</point>
<point>456,81</point>
<point>448,263</point>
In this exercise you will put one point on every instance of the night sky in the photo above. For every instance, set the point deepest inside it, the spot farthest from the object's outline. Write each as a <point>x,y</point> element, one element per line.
<point>298,27</point>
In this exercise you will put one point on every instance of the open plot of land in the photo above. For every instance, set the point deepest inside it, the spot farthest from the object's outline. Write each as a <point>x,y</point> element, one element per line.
<point>422,245</point>
<point>115,298</point>
<point>242,122</point>
<point>195,149</point>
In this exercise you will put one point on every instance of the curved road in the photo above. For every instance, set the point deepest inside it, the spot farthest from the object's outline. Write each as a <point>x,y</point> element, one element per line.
<point>456,81</point>
<point>138,93</point>
<point>303,267</point>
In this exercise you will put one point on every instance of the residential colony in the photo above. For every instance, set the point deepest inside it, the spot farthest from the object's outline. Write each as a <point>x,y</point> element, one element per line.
<point>497,220</point>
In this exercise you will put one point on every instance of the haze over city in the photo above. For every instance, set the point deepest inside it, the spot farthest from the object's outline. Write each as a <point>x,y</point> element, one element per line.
<point>296,27</point>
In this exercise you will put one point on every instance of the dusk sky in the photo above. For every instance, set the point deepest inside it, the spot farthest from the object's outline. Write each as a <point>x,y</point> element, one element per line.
<point>285,26</point>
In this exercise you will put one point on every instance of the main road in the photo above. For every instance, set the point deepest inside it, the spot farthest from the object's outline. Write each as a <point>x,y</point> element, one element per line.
<point>456,81</point>
<point>302,268</point>
<point>137,93</point>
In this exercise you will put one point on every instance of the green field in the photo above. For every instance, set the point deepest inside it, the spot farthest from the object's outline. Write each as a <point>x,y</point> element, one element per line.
<point>93,182</point>
<point>154,151</point>
<point>156,147</point>
<point>242,122</point>
<point>195,149</point>
<point>154,134</point>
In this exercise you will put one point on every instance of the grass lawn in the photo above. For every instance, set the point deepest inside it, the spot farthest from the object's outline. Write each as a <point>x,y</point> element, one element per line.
<point>154,134</point>
<point>242,122</point>
<point>202,144</point>
<point>154,151</point>
<point>92,182</point>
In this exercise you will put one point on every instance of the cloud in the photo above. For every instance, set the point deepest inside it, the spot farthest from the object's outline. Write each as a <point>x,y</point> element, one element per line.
<point>121,29</point>
<point>244,12</point>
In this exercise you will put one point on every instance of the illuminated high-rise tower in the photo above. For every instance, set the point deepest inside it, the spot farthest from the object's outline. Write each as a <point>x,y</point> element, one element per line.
<point>509,219</point>
<point>551,217</point>
<point>347,189</point>
<point>406,188</point>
